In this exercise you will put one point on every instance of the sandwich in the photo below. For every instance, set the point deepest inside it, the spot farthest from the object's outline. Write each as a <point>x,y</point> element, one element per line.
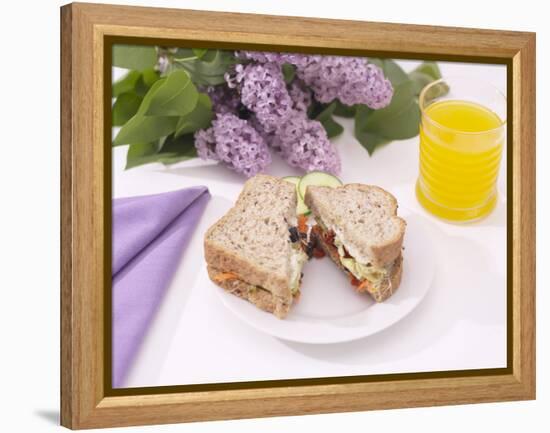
<point>358,228</point>
<point>254,250</point>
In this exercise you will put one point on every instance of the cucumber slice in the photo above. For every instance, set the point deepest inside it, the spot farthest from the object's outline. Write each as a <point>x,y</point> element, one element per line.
<point>292,179</point>
<point>301,207</point>
<point>317,178</point>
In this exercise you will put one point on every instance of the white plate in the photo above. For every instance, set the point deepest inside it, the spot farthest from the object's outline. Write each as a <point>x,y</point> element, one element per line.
<point>330,311</point>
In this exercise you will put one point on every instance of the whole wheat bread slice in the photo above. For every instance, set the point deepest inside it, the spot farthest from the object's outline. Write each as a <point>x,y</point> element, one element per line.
<point>252,239</point>
<point>262,299</point>
<point>364,217</point>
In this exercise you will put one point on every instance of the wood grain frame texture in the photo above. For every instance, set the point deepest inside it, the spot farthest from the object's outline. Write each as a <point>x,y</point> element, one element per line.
<point>85,402</point>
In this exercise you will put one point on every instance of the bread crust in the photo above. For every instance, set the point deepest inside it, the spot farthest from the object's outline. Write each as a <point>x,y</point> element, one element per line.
<point>219,257</point>
<point>261,298</point>
<point>382,253</point>
<point>385,290</point>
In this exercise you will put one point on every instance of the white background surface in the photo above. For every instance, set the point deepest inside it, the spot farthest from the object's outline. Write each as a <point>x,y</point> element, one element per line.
<point>29,177</point>
<point>460,325</point>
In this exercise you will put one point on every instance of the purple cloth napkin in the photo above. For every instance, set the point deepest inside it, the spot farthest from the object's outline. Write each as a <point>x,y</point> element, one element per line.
<point>149,235</point>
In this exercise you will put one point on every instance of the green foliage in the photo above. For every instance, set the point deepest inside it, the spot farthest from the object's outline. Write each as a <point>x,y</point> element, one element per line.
<point>142,128</point>
<point>289,71</point>
<point>125,107</point>
<point>392,71</point>
<point>209,69</point>
<point>182,148</point>
<point>199,118</point>
<point>159,112</point>
<point>424,75</point>
<point>159,115</point>
<point>332,127</point>
<point>139,154</point>
<point>344,110</point>
<point>401,118</point>
<point>134,57</point>
<point>146,80</point>
<point>126,84</point>
<point>167,151</point>
<point>176,96</point>
<point>199,52</point>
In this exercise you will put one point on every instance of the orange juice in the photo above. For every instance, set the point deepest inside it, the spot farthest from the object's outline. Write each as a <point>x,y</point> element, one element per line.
<point>460,149</point>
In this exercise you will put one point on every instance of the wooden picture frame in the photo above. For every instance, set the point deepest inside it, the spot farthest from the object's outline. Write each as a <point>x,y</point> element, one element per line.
<point>86,397</point>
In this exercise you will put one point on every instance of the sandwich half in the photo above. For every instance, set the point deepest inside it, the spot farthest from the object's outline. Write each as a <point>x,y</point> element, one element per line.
<point>358,228</point>
<point>253,251</point>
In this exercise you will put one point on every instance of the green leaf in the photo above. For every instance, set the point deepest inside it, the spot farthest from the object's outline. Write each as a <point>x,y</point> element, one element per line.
<point>392,71</point>
<point>343,110</point>
<point>397,121</point>
<point>177,96</point>
<point>125,107</point>
<point>430,69</point>
<point>199,52</point>
<point>140,154</point>
<point>400,125</point>
<point>315,108</point>
<point>423,75</point>
<point>137,151</point>
<point>126,83</point>
<point>401,118</point>
<point>185,54</point>
<point>332,127</point>
<point>289,71</point>
<point>180,149</point>
<point>370,141</point>
<point>208,70</point>
<point>146,80</point>
<point>146,129</point>
<point>134,57</point>
<point>419,80</point>
<point>403,96</point>
<point>199,118</point>
<point>166,151</point>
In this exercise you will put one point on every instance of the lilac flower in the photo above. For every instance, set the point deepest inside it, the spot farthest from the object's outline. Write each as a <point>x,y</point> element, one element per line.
<point>298,60</point>
<point>263,91</point>
<point>259,56</point>
<point>270,57</point>
<point>267,136</point>
<point>303,143</point>
<point>234,142</point>
<point>350,79</point>
<point>205,144</point>
<point>224,100</point>
<point>300,95</point>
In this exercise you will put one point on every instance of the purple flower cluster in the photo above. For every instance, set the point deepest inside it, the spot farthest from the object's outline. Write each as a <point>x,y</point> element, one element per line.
<point>300,96</point>
<point>352,80</point>
<point>224,100</point>
<point>234,142</point>
<point>268,57</point>
<point>258,110</point>
<point>263,91</point>
<point>303,143</point>
<point>280,116</point>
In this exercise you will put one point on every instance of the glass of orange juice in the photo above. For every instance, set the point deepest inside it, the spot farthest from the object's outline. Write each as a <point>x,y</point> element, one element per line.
<point>462,134</point>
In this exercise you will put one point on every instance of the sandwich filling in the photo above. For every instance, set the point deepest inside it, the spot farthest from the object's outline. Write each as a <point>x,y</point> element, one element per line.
<point>362,273</point>
<point>297,261</point>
